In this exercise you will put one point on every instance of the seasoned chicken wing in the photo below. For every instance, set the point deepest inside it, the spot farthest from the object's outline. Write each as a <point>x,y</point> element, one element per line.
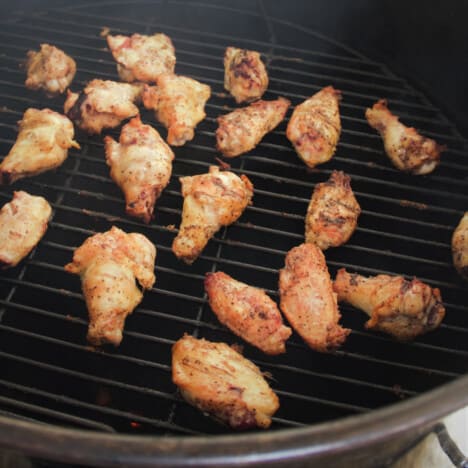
<point>315,126</point>
<point>110,264</point>
<point>333,212</point>
<point>460,247</point>
<point>407,149</point>
<point>248,312</point>
<point>221,382</point>
<point>211,201</point>
<point>142,58</point>
<point>241,130</point>
<point>102,104</point>
<point>401,308</point>
<point>308,300</point>
<point>23,222</point>
<point>42,144</point>
<point>179,104</point>
<point>245,75</point>
<point>141,165</point>
<point>50,69</point>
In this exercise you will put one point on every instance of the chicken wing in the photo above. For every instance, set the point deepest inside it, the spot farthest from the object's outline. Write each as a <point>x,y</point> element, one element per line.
<point>42,144</point>
<point>102,104</point>
<point>23,222</point>
<point>308,300</point>
<point>141,165</point>
<point>109,264</point>
<point>248,312</point>
<point>221,382</point>
<point>407,149</point>
<point>211,201</point>
<point>401,308</point>
<point>245,75</point>
<point>50,69</point>
<point>241,130</point>
<point>179,104</point>
<point>460,247</point>
<point>333,212</point>
<point>142,58</point>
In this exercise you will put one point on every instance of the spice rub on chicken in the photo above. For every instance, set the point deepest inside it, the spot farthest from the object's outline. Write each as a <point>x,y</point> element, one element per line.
<point>142,58</point>
<point>42,144</point>
<point>248,312</point>
<point>23,222</point>
<point>219,381</point>
<point>241,130</point>
<point>401,308</point>
<point>141,165</point>
<point>110,265</point>
<point>460,247</point>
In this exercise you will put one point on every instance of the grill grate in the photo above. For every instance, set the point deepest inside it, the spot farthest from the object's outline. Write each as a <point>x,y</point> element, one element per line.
<point>51,375</point>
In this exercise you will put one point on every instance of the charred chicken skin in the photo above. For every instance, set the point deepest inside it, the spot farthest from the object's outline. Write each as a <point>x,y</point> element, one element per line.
<point>110,264</point>
<point>460,247</point>
<point>221,382</point>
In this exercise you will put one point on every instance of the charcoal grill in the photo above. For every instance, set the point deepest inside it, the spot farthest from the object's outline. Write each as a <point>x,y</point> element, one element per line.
<point>62,400</point>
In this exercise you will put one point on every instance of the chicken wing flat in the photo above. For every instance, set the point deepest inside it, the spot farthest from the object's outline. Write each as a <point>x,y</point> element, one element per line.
<point>102,104</point>
<point>109,264</point>
<point>221,382</point>
<point>241,130</point>
<point>248,312</point>
<point>141,165</point>
<point>50,69</point>
<point>315,126</point>
<point>211,201</point>
<point>179,104</point>
<point>23,222</point>
<point>407,149</point>
<point>245,75</point>
<point>142,58</point>
<point>460,247</point>
<point>401,308</point>
<point>308,300</point>
<point>42,144</point>
<point>333,212</point>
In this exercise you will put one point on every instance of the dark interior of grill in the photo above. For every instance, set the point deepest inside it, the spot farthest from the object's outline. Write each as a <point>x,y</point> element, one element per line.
<point>50,374</point>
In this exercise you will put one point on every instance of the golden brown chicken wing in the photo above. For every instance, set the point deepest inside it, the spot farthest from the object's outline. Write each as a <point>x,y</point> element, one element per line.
<point>110,264</point>
<point>42,144</point>
<point>315,126</point>
<point>23,222</point>
<point>407,149</point>
<point>245,75</point>
<point>248,312</point>
<point>179,104</point>
<point>460,247</point>
<point>401,308</point>
<point>141,165</point>
<point>221,382</point>
<point>333,212</point>
<point>211,201</point>
<point>308,300</point>
<point>241,130</point>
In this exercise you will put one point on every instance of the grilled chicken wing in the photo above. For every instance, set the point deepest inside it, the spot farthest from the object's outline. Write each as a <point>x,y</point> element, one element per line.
<point>50,69</point>
<point>308,300</point>
<point>245,75</point>
<point>141,165</point>
<point>460,247</point>
<point>23,222</point>
<point>401,308</point>
<point>109,264</point>
<point>142,58</point>
<point>211,201</point>
<point>315,126</point>
<point>248,312</point>
<point>221,382</point>
<point>179,104</point>
<point>42,144</point>
<point>102,104</point>
<point>333,212</point>
<point>241,130</point>
<point>407,149</point>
